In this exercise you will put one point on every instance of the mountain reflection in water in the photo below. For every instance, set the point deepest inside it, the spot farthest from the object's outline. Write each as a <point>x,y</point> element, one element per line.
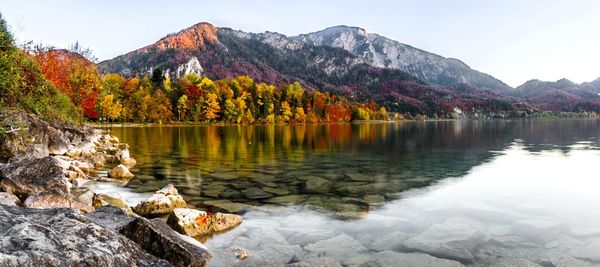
<point>518,193</point>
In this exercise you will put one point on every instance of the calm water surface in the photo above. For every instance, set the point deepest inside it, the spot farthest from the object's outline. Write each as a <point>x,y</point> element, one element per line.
<point>510,193</point>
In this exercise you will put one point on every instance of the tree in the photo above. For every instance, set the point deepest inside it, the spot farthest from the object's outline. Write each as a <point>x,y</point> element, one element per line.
<point>159,107</point>
<point>229,111</point>
<point>114,84</point>
<point>211,107</point>
<point>109,107</point>
<point>286,111</point>
<point>157,78</point>
<point>299,115</point>
<point>182,107</point>
<point>73,75</point>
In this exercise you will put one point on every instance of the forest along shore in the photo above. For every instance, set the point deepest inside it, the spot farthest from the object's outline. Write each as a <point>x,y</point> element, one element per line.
<point>48,216</point>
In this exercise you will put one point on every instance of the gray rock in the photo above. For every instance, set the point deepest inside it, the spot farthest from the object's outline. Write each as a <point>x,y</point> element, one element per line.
<point>510,262</point>
<point>111,217</point>
<point>55,199</point>
<point>390,241</point>
<point>316,262</point>
<point>317,185</point>
<point>31,176</point>
<point>30,140</point>
<point>390,258</point>
<point>62,237</point>
<point>160,240</point>
<point>274,255</point>
<point>267,236</point>
<point>455,239</point>
<point>342,247</point>
<point>542,231</point>
<point>567,261</point>
<point>9,199</point>
<point>58,144</point>
<point>305,236</point>
<point>589,252</point>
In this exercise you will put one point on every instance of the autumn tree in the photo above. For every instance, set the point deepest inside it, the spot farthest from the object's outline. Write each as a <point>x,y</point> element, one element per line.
<point>211,107</point>
<point>72,74</point>
<point>110,107</point>
<point>182,107</point>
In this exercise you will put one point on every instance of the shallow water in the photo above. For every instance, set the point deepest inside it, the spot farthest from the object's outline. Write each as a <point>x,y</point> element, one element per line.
<point>521,193</point>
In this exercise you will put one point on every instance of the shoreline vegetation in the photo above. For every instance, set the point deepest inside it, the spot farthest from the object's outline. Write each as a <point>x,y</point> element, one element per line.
<point>45,173</point>
<point>536,116</point>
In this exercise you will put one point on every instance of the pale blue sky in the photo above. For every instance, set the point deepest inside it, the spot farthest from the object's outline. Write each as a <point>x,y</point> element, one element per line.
<point>513,40</point>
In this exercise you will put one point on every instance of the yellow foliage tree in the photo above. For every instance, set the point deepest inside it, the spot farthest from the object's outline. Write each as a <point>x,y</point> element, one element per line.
<point>109,107</point>
<point>211,107</point>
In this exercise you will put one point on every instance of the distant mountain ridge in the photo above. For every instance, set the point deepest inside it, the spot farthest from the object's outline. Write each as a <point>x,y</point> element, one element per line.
<point>361,66</point>
<point>379,51</point>
<point>562,95</point>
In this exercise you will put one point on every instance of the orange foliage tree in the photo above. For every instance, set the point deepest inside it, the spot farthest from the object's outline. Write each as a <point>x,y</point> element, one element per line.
<point>74,75</point>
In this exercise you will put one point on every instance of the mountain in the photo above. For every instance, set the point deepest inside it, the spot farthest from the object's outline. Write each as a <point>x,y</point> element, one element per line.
<point>274,58</point>
<point>562,95</point>
<point>379,51</point>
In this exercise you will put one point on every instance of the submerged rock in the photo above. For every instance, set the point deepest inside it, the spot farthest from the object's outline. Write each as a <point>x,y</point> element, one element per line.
<point>120,171</point>
<point>316,261</point>
<point>227,205</point>
<point>342,247</point>
<point>161,203</point>
<point>196,223</point>
<point>455,239</point>
<point>317,185</point>
<point>31,176</point>
<point>390,258</point>
<point>589,252</point>
<point>62,237</point>
<point>9,199</point>
<point>256,193</point>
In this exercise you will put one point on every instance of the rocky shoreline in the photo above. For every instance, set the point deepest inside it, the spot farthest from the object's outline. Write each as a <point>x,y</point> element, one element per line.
<point>49,217</point>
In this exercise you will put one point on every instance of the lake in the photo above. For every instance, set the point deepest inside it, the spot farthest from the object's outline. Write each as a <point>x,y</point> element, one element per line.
<point>441,193</point>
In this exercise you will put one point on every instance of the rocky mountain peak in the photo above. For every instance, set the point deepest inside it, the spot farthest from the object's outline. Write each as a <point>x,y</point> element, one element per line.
<point>195,37</point>
<point>381,52</point>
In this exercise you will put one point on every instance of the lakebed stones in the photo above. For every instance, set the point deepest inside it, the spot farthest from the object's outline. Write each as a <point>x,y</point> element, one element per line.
<point>454,238</point>
<point>63,237</point>
<point>121,172</point>
<point>227,205</point>
<point>317,185</point>
<point>341,247</point>
<point>197,223</point>
<point>391,258</point>
<point>31,176</point>
<point>161,203</point>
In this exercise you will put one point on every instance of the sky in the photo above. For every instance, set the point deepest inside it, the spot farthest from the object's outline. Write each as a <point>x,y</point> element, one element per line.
<point>512,40</point>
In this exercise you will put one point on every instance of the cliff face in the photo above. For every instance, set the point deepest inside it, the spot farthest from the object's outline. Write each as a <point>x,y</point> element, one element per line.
<point>379,51</point>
